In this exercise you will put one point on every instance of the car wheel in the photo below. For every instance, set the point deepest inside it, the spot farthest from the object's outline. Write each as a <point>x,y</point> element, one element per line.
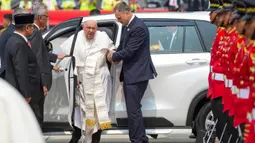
<point>205,118</point>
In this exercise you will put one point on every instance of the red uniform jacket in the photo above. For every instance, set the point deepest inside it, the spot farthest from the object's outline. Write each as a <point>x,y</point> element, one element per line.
<point>217,82</point>
<point>242,103</point>
<point>218,37</point>
<point>228,62</point>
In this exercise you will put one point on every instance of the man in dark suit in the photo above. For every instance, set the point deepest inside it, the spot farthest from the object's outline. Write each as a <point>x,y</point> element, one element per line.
<point>137,68</point>
<point>22,71</point>
<point>7,33</point>
<point>43,56</point>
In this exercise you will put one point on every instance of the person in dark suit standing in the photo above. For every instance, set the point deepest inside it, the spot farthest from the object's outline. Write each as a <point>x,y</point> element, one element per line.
<point>7,33</point>
<point>22,71</point>
<point>44,58</point>
<point>137,68</point>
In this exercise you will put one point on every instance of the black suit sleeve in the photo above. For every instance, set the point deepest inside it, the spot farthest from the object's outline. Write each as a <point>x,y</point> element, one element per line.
<point>136,39</point>
<point>20,61</point>
<point>53,57</point>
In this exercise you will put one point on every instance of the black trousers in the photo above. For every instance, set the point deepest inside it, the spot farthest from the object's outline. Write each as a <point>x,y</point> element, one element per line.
<point>232,130</point>
<point>217,108</point>
<point>133,95</point>
<point>38,109</point>
<point>2,75</point>
<point>76,135</point>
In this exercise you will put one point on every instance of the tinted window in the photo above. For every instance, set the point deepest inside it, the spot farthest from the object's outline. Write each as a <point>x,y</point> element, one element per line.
<point>192,41</point>
<point>208,32</point>
<point>168,39</point>
<point>174,39</point>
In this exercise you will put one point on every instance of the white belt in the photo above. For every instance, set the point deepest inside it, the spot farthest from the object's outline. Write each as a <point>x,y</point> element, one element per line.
<point>234,89</point>
<point>253,113</point>
<point>211,67</point>
<point>218,76</point>
<point>228,82</point>
<point>243,93</point>
<point>251,116</point>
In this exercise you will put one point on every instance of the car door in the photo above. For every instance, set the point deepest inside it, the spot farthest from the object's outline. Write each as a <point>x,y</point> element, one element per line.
<point>179,56</point>
<point>59,102</point>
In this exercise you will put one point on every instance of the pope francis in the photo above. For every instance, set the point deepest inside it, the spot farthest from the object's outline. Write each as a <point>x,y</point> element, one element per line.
<point>94,87</point>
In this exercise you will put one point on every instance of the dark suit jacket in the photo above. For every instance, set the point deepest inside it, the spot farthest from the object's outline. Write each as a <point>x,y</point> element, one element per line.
<point>7,33</point>
<point>22,71</point>
<point>43,57</point>
<point>134,51</point>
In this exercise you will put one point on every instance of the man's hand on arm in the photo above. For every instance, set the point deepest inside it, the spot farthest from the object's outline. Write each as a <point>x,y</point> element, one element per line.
<point>109,57</point>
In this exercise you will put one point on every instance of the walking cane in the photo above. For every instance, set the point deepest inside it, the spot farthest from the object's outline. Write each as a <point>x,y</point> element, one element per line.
<point>81,94</point>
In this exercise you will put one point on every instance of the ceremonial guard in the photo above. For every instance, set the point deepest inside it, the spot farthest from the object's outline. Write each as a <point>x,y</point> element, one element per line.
<point>246,95</point>
<point>218,83</point>
<point>212,93</point>
<point>229,50</point>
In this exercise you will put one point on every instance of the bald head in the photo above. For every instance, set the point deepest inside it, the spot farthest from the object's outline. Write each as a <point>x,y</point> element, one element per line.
<point>90,28</point>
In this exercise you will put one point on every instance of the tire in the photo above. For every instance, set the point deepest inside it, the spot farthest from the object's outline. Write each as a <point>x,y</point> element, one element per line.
<point>204,114</point>
<point>194,129</point>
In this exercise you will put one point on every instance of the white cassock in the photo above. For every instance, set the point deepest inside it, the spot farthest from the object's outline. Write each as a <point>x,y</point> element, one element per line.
<point>92,112</point>
<point>17,121</point>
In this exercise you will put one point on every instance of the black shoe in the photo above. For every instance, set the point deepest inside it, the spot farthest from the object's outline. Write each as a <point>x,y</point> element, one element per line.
<point>192,136</point>
<point>96,137</point>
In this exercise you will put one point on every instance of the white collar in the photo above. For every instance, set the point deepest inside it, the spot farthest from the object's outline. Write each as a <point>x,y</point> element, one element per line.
<point>37,26</point>
<point>131,20</point>
<point>24,37</point>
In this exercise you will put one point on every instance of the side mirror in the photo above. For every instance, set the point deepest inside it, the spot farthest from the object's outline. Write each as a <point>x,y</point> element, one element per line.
<point>49,47</point>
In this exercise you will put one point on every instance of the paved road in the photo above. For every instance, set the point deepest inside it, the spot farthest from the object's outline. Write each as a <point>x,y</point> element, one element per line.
<point>177,136</point>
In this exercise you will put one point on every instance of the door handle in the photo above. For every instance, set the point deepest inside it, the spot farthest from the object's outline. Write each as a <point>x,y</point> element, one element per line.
<point>196,61</point>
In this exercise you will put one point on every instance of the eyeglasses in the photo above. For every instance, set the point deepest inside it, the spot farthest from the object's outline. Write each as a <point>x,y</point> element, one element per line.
<point>46,16</point>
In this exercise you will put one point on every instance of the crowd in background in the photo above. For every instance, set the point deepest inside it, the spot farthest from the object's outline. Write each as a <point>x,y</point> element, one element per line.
<point>172,5</point>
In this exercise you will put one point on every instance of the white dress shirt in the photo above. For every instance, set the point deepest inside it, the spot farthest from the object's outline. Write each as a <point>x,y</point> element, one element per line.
<point>25,38</point>
<point>132,18</point>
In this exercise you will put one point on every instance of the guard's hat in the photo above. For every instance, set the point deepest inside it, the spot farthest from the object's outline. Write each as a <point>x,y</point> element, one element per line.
<point>226,5</point>
<point>214,5</point>
<point>240,7</point>
<point>250,9</point>
<point>24,18</point>
<point>240,10</point>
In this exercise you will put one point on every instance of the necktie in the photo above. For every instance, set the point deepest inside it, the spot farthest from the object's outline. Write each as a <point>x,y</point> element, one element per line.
<point>29,44</point>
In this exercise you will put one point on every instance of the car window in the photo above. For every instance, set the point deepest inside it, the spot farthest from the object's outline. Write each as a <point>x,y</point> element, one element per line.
<point>168,39</point>
<point>192,41</point>
<point>208,32</point>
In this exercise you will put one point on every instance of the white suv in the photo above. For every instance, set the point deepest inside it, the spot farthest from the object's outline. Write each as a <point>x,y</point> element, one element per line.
<point>180,49</point>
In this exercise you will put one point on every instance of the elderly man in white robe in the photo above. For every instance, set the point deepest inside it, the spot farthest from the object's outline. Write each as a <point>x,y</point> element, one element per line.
<point>93,101</point>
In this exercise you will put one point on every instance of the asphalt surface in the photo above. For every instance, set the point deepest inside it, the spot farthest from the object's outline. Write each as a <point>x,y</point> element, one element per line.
<point>176,136</point>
